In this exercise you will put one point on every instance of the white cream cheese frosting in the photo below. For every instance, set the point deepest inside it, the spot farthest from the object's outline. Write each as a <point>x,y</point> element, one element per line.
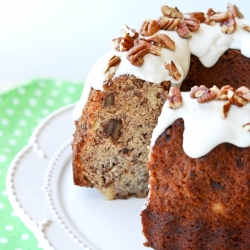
<point>204,127</point>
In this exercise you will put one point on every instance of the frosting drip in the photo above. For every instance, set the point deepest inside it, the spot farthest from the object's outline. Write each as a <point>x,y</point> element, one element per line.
<point>204,128</point>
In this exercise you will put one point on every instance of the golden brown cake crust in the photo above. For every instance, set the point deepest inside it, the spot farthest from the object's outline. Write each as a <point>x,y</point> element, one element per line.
<point>199,203</point>
<point>110,143</point>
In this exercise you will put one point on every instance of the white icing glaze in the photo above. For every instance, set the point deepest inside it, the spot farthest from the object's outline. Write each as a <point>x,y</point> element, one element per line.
<point>204,128</point>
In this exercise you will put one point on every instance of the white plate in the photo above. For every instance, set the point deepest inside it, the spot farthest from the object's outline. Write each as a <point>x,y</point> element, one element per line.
<point>61,215</point>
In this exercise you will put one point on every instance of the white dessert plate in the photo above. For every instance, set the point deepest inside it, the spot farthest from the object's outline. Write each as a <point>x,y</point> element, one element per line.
<point>63,216</point>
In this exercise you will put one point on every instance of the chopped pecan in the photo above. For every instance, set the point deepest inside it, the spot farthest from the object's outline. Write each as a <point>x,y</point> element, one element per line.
<point>192,23</point>
<point>229,25</point>
<point>223,93</point>
<point>126,43</point>
<point>246,126</point>
<point>197,91</point>
<point>174,98</point>
<point>168,23</point>
<point>236,99</point>
<point>225,109</point>
<point>166,41</point>
<point>233,10</point>
<point>216,90</point>
<point>243,92</point>
<point>183,30</point>
<point>171,12</point>
<point>246,27</point>
<point>173,71</point>
<point>115,43</point>
<point>208,96</point>
<point>198,15</point>
<point>109,71</point>
<point>154,48</point>
<point>109,100</point>
<point>219,17</point>
<point>113,129</point>
<point>149,27</point>
<point>132,32</point>
<point>210,13</point>
<point>135,55</point>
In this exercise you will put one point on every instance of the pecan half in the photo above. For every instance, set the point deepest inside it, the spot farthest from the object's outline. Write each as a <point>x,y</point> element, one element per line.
<point>132,32</point>
<point>135,55</point>
<point>223,93</point>
<point>198,15</point>
<point>168,23</point>
<point>174,98</point>
<point>154,48</point>
<point>109,71</point>
<point>149,27</point>
<point>229,25</point>
<point>183,30</point>
<point>173,71</point>
<point>233,10</point>
<point>166,41</point>
<point>243,92</point>
<point>197,91</point>
<point>126,43</point>
<point>208,96</point>
<point>236,99</point>
<point>192,23</point>
<point>219,17</point>
<point>171,12</point>
<point>224,110</point>
<point>246,27</point>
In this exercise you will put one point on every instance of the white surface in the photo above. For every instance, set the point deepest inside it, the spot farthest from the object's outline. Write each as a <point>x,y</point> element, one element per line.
<point>64,216</point>
<point>63,39</point>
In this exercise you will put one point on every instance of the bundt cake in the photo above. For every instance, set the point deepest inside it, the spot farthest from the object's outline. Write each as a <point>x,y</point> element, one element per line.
<point>126,89</point>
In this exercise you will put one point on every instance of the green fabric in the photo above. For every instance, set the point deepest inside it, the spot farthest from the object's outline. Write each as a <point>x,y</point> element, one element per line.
<point>21,110</point>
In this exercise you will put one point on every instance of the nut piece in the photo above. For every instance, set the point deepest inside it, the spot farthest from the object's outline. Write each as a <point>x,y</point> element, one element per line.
<point>174,98</point>
<point>131,32</point>
<point>183,31</point>
<point>115,43</point>
<point>109,100</point>
<point>229,25</point>
<point>216,90</point>
<point>223,93</point>
<point>198,15</point>
<point>246,126</point>
<point>173,71</point>
<point>224,110</point>
<point>113,129</point>
<point>166,41</point>
<point>197,91</point>
<point>236,99</point>
<point>207,96</point>
<point>109,71</point>
<point>168,23</point>
<point>243,92</point>
<point>219,17</point>
<point>246,27</point>
<point>192,24</point>
<point>210,13</point>
<point>154,48</point>
<point>171,12</point>
<point>136,54</point>
<point>126,43</point>
<point>233,10</point>
<point>149,27</point>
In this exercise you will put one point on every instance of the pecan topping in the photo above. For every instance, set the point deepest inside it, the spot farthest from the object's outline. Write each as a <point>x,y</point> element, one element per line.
<point>168,23</point>
<point>236,99</point>
<point>243,92</point>
<point>197,91</point>
<point>171,12</point>
<point>136,54</point>
<point>109,71</point>
<point>246,27</point>
<point>246,126</point>
<point>229,25</point>
<point>198,15</point>
<point>131,32</point>
<point>210,13</point>
<point>223,92</point>
<point>192,23</point>
<point>166,41</point>
<point>154,48</point>
<point>173,71</point>
<point>207,96</point>
<point>126,43</point>
<point>219,17</point>
<point>183,30</point>
<point>174,98</point>
<point>233,10</point>
<point>115,43</point>
<point>149,27</point>
<point>224,110</point>
<point>216,90</point>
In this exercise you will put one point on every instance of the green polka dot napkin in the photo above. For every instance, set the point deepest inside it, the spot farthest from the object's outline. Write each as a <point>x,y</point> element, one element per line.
<point>21,110</point>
